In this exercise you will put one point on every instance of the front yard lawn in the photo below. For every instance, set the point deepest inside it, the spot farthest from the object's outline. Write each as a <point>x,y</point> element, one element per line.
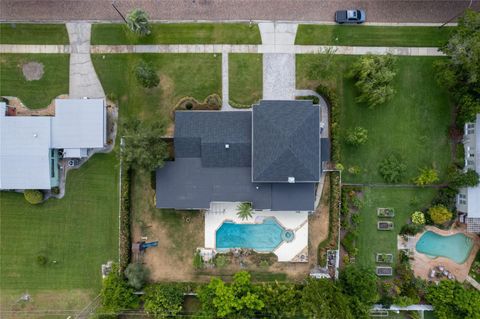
<point>36,93</point>
<point>18,33</point>
<point>372,241</point>
<point>246,78</point>
<point>179,33</point>
<point>414,124</point>
<point>372,35</point>
<point>195,75</point>
<point>79,232</point>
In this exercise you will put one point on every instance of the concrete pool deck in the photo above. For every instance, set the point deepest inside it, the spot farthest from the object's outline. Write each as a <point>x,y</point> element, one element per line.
<point>286,251</point>
<point>422,264</point>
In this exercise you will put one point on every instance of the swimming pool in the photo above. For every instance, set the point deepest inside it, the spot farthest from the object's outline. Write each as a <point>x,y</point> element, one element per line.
<point>262,237</point>
<point>455,247</point>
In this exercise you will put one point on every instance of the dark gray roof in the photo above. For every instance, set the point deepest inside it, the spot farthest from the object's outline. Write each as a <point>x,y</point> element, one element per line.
<point>204,134</point>
<point>186,184</point>
<point>286,141</point>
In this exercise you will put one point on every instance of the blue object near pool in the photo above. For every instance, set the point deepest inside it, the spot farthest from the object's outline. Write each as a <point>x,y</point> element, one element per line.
<point>455,247</point>
<point>262,237</point>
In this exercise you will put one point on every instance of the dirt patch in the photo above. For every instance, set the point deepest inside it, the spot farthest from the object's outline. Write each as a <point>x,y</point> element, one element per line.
<point>32,71</point>
<point>22,110</point>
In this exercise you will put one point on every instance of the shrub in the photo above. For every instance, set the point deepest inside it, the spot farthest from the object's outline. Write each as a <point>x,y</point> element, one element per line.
<point>348,242</point>
<point>116,294</point>
<point>374,75</point>
<point>418,218</point>
<point>137,275</point>
<point>446,197</point>
<point>125,236</point>
<point>197,260</point>
<point>264,264</point>
<point>33,196</point>
<point>42,260</point>
<point>146,75</point>
<point>459,178</point>
<point>411,229</point>
<point>137,22</point>
<point>163,300</point>
<point>426,176</point>
<point>439,214</point>
<point>334,107</point>
<point>392,168</point>
<point>354,170</point>
<point>221,261</point>
<point>357,136</point>
<point>55,190</point>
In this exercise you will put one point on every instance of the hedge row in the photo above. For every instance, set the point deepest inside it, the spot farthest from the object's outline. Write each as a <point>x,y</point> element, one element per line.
<point>238,105</point>
<point>125,235</point>
<point>334,109</point>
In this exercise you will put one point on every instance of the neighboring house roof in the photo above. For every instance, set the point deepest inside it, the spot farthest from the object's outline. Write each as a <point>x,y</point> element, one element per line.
<point>24,148</point>
<point>473,207</point>
<point>286,142</point>
<point>186,184</point>
<point>26,141</point>
<point>79,123</point>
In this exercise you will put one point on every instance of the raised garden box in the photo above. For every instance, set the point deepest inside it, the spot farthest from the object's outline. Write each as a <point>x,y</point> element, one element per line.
<point>384,225</point>
<point>384,258</point>
<point>384,271</point>
<point>386,212</point>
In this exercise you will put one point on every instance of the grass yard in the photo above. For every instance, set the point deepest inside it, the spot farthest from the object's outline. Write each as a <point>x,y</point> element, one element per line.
<point>405,201</point>
<point>36,93</point>
<point>414,124</point>
<point>246,78</point>
<point>79,232</point>
<point>195,75</point>
<point>179,33</point>
<point>18,33</point>
<point>361,35</point>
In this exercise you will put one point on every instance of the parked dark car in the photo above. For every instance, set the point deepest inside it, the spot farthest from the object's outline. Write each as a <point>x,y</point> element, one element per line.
<point>350,16</point>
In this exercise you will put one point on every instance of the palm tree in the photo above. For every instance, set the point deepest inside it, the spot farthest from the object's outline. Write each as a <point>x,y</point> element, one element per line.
<point>245,210</point>
<point>137,21</point>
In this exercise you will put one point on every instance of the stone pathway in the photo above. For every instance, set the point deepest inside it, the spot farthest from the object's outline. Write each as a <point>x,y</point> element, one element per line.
<point>473,282</point>
<point>84,81</point>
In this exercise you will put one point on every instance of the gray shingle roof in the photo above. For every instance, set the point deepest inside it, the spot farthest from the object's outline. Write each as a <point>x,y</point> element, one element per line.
<point>286,141</point>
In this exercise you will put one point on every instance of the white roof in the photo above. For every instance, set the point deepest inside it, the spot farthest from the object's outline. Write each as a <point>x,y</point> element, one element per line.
<point>79,123</point>
<point>24,152</point>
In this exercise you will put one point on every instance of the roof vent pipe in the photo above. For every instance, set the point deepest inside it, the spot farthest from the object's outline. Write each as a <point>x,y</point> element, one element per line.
<point>291,180</point>
<point>227,146</point>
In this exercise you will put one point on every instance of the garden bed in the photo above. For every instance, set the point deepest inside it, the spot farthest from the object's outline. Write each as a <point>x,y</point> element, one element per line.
<point>384,225</point>
<point>386,212</point>
<point>384,271</point>
<point>384,258</point>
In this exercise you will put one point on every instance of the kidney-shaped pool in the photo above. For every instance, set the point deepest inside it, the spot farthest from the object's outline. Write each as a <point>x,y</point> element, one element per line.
<point>455,247</point>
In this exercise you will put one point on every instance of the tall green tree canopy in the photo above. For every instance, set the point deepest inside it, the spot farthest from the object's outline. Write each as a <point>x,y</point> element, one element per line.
<point>162,301</point>
<point>143,147</point>
<point>116,294</point>
<point>451,300</point>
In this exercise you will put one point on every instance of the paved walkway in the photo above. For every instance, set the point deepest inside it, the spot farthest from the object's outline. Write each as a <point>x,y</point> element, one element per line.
<point>220,48</point>
<point>473,282</point>
<point>84,81</point>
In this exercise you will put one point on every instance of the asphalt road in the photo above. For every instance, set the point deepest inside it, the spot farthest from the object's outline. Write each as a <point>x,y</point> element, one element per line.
<point>414,11</point>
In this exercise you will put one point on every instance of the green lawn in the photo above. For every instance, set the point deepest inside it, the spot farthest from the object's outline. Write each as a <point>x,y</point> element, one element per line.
<point>179,33</point>
<point>17,33</point>
<point>246,78</point>
<point>196,75</point>
<point>413,124</point>
<point>404,201</point>
<point>356,35</point>
<point>79,232</point>
<point>36,93</point>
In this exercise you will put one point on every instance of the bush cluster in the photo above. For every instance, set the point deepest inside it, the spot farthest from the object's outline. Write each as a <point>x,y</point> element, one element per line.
<point>146,75</point>
<point>334,108</point>
<point>125,236</point>
<point>392,168</point>
<point>33,196</point>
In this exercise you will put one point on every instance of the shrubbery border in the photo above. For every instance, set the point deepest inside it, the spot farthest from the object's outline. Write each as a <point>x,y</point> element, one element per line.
<point>125,204</point>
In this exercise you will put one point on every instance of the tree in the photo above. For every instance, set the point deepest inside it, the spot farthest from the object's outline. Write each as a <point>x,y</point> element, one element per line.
<point>240,298</point>
<point>392,168</point>
<point>357,136</point>
<point>143,146</point>
<point>116,294</point>
<point>426,176</point>
<point>137,21</point>
<point>137,275</point>
<point>146,75</point>
<point>33,196</point>
<point>245,211</point>
<point>163,300</point>
<point>281,300</point>
<point>458,178</point>
<point>418,218</point>
<point>374,75</point>
<point>360,284</point>
<point>439,214</point>
<point>451,300</point>
<point>321,298</point>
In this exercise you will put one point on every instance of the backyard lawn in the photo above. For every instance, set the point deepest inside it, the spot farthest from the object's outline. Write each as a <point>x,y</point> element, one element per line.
<point>17,33</point>
<point>414,124</point>
<point>246,78</point>
<point>404,201</point>
<point>179,33</point>
<point>34,93</point>
<point>78,232</point>
<point>356,35</point>
<point>195,75</point>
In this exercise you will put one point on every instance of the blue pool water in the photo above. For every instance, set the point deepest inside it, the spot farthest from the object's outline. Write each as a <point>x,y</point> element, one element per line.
<point>456,247</point>
<point>262,237</point>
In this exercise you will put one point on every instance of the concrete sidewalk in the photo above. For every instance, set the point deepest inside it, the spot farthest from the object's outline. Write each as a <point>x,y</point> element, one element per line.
<point>221,48</point>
